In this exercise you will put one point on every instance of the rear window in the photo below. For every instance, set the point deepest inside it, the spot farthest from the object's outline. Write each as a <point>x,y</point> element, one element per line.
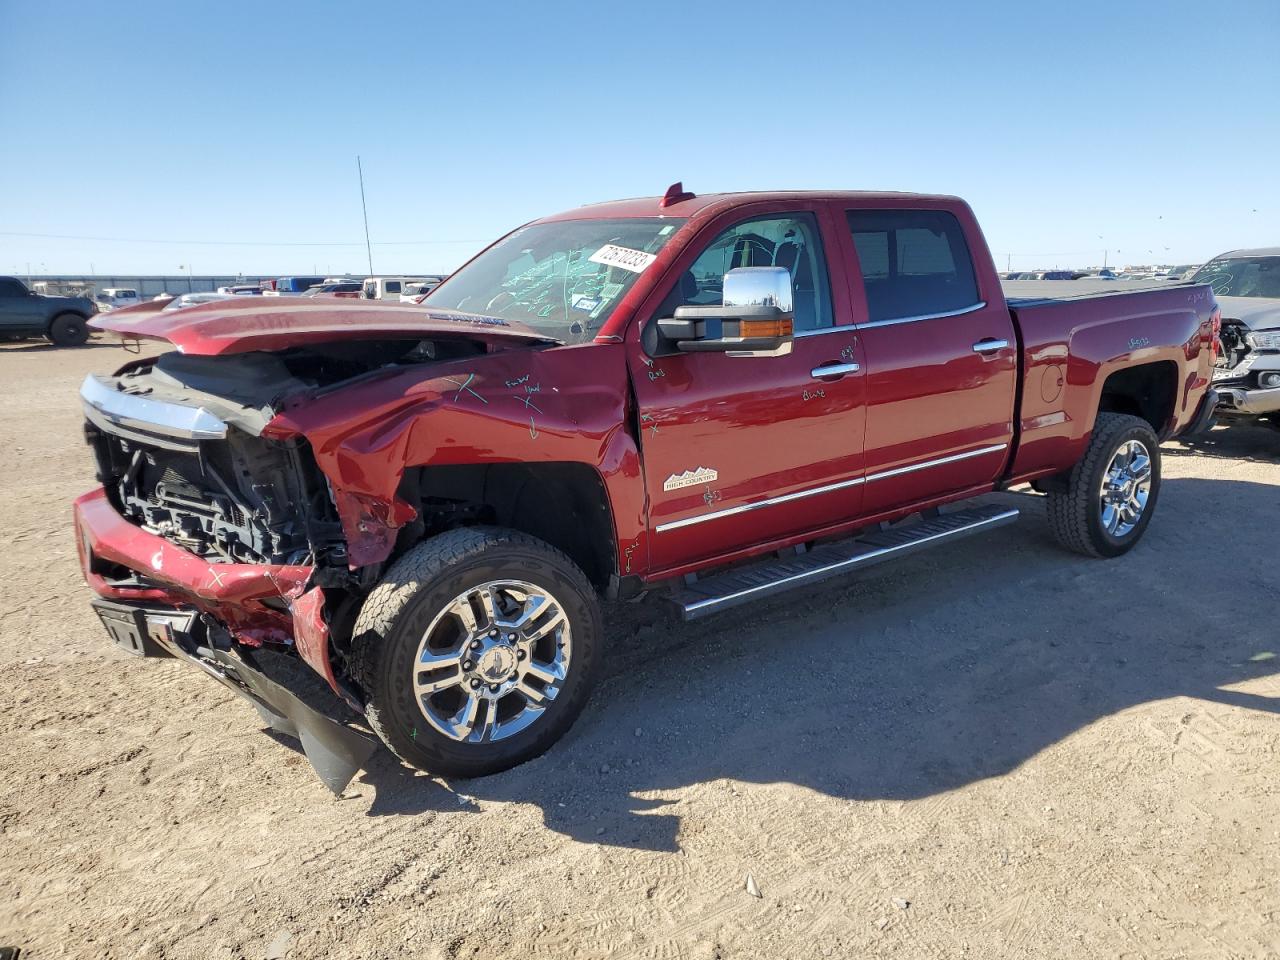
<point>914,262</point>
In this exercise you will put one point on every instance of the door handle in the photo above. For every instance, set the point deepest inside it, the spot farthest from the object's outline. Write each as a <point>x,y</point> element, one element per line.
<point>834,370</point>
<point>989,345</point>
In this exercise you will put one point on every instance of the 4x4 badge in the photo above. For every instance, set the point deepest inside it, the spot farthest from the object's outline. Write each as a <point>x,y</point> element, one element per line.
<point>690,478</point>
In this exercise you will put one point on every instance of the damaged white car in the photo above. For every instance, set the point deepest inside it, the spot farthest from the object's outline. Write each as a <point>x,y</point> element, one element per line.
<point>1247,286</point>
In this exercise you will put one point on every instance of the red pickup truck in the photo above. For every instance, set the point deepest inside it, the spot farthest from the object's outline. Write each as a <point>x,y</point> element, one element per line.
<point>713,398</point>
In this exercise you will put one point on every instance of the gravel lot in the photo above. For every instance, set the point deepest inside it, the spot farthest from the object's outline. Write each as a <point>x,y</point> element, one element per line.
<point>994,749</point>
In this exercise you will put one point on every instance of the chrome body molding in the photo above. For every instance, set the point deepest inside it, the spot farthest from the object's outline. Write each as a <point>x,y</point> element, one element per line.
<point>828,488</point>
<point>154,422</point>
<point>893,321</point>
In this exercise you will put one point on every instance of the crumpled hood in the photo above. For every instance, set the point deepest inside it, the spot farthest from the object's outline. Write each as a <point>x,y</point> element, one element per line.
<point>277,323</point>
<point>1256,313</point>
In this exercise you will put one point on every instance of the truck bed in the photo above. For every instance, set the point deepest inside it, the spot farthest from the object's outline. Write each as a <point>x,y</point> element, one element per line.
<point>1022,293</point>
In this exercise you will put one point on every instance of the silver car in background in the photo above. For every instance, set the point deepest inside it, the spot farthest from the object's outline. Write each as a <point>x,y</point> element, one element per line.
<point>1247,285</point>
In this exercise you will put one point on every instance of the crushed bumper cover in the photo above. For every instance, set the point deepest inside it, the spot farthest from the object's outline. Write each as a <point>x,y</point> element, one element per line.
<point>233,626</point>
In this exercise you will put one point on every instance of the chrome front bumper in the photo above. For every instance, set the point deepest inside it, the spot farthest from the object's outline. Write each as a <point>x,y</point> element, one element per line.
<point>1246,401</point>
<point>154,422</point>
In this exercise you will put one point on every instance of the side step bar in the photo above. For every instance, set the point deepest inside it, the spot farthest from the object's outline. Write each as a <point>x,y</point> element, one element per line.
<point>735,587</point>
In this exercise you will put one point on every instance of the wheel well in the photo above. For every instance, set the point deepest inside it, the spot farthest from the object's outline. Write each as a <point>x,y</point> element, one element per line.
<point>1147,391</point>
<point>564,504</point>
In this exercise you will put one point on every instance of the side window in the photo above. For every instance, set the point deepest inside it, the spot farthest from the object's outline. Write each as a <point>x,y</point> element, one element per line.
<point>11,288</point>
<point>791,241</point>
<point>914,262</point>
<point>393,286</point>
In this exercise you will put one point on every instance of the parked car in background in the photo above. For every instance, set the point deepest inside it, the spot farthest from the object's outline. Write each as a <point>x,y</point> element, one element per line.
<point>386,288</point>
<point>714,399</point>
<point>1247,285</point>
<point>345,288</point>
<point>24,313</point>
<point>113,298</point>
<point>184,300</point>
<point>242,289</point>
<point>293,286</point>
<point>417,292</point>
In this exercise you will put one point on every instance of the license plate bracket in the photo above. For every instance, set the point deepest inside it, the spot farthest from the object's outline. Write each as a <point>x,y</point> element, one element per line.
<point>141,631</point>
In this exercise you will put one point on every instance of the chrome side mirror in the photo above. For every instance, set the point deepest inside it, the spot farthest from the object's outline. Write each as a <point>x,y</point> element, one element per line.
<point>755,319</point>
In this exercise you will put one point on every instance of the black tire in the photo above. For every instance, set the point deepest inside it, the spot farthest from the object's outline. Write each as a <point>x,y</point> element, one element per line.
<point>68,330</point>
<point>418,587</point>
<point>1075,515</point>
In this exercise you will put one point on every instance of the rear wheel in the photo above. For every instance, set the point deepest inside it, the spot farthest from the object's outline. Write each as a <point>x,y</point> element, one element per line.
<point>1111,493</point>
<point>68,330</point>
<point>477,651</point>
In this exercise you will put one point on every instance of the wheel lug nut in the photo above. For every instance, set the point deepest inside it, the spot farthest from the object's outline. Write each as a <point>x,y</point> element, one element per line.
<point>511,638</point>
<point>467,664</point>
<point>475,644</point>
<point>493,633</point>
<point>493,688</point>
<point>475,684</point>
<point>519,654</point>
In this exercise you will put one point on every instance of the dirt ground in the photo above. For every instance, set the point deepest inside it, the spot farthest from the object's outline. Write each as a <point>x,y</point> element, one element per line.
<point>994,749</point>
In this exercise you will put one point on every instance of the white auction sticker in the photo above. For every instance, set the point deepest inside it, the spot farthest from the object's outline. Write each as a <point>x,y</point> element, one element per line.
<point>626,258</point>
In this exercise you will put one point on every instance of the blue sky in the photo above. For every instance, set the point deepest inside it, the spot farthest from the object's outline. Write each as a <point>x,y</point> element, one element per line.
<point>1070,128</point>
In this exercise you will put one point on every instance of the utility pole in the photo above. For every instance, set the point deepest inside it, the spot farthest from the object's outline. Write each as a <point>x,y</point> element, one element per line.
<point>365,210</point>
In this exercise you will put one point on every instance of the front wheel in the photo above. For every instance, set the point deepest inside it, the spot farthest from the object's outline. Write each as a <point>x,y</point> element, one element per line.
<point>477,651</point>
<point>1111,493</point>
<point>68,330</point>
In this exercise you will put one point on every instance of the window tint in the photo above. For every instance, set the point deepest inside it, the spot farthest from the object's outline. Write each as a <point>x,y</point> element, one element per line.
<point>393,286</point>
<point>11,288</point>
<point>914,262</point>
<point>790,242</point>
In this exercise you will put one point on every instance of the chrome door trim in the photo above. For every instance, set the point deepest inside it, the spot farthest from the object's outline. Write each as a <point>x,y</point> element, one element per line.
<point>758,505</point>
<point>835,328</point>
<point>834,370</point>
<point>827,488</point>
<point>893,321</point>
<point>955,457</point>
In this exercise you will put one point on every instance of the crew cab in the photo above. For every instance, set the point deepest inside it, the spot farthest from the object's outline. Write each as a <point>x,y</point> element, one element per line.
<point>711,399</point>
<point>23,313</point>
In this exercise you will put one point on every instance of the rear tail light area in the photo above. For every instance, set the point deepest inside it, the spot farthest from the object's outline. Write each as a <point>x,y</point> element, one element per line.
<point>1215,331</point>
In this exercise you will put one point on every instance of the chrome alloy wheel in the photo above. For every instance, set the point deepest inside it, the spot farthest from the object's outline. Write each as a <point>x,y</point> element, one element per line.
<point>1126,485</point>
<point>491,661</point>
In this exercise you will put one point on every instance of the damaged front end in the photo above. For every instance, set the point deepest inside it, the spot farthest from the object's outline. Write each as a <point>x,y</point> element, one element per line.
<point>213,543</point>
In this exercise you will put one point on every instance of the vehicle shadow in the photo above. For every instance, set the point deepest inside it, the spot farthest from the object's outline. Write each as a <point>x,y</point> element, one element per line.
<point>1242,440</point>
<point>916,678</point>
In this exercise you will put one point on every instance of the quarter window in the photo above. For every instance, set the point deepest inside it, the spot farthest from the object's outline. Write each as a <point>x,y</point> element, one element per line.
<point>914,262</point>
<point>791,241</point>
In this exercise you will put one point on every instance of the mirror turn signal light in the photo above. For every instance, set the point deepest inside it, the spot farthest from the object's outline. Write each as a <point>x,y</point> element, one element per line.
<point>765,328</point>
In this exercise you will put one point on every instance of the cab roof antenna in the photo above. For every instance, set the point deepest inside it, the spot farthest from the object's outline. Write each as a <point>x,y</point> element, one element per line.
<point>676,193</point>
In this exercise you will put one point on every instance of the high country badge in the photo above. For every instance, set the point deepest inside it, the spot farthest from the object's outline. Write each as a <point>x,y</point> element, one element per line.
<point>690,478</point>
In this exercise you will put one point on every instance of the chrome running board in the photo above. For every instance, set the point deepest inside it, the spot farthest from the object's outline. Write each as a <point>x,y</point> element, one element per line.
<point>745,584</point>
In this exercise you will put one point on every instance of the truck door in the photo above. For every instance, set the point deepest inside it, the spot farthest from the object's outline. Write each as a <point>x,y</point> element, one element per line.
<point>741,450</point>
<point>941,363</point>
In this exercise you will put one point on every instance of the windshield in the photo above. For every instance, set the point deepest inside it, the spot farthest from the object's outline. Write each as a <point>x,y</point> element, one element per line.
<point>1242,277</point>
<point>562,278</point>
